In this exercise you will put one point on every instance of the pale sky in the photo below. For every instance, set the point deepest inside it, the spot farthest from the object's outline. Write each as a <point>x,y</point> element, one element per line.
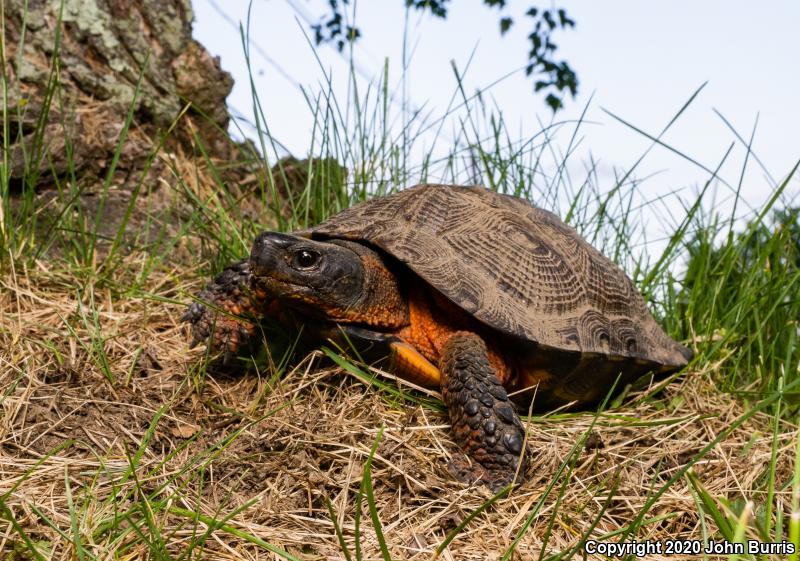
<point>639,60</point>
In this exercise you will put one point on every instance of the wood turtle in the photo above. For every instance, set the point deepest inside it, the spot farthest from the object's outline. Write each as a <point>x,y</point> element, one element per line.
<point>472,292</point>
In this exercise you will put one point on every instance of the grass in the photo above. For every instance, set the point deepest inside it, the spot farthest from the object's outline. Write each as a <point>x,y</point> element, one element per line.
<point>119,442</point>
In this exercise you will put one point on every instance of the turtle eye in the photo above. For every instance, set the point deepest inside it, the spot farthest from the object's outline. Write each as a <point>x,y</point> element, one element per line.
<point>305,259</point>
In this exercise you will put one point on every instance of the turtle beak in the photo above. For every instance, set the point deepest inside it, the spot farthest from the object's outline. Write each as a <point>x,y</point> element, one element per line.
<point>267,250</point>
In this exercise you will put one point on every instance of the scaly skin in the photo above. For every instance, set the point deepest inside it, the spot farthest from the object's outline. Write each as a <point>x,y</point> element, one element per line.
<point>432,320</point>
<point>219,317</point>
<point>484,422</point>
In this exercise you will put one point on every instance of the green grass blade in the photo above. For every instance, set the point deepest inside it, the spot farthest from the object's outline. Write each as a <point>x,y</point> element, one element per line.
<point>721,521</point>
<point>73,518</point>
<point>373,509</point>
<point>469,518</point>
<point>338,530</point>
<point>7,515</point>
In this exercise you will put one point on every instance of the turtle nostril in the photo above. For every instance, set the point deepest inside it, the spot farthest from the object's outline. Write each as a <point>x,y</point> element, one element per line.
<point>274,239</point>
<point>267,249</point>
<point>267,241</point>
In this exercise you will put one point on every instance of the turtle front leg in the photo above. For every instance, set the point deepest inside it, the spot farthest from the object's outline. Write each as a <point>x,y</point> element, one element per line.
<point>218,317</point>
<point>484,421</point>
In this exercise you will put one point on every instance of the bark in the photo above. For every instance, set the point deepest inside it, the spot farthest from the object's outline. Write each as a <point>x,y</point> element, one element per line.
<point>71,70</point>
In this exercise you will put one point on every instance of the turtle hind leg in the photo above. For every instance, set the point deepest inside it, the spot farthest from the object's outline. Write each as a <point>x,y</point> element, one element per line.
<point>484,421</point>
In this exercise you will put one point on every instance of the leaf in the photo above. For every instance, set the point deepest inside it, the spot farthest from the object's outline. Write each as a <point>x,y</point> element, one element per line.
<point>553,102</point>
<point>564,19</point>
<point>505,25</point>
<point>548,17</point>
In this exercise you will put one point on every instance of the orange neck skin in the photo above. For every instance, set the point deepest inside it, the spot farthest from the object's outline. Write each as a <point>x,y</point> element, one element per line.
<point>384,303</point>
<point>434,319</point>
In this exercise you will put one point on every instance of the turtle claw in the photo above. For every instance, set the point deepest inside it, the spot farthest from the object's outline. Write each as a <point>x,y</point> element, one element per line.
<point>472,473</point>
<point>193,316</point>
<point>193,313</point>
<point>465,471</point>
<point>220,324</point>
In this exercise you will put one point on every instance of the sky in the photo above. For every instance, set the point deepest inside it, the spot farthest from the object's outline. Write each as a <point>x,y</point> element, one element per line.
<point>640,61</point>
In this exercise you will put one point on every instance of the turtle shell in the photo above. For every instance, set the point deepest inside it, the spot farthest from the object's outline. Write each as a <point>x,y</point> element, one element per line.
<point>517,268</point>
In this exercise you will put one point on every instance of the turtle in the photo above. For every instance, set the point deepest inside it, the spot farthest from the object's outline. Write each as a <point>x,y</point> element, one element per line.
<point>478,294</point>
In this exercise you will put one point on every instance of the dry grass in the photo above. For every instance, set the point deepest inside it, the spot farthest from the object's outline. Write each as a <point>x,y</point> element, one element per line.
<point>133,455</point>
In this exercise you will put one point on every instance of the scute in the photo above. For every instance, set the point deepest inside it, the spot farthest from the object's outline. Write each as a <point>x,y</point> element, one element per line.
<point>515,267</point>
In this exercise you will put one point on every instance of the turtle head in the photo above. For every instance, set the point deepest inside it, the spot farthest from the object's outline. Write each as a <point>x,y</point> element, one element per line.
<point>334,280</point>
<point>298,270</point>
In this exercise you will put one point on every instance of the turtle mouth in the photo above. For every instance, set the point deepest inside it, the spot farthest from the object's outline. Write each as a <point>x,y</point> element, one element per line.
<point>261,273</point>
<point>285,291</point>
<point>300,300</point>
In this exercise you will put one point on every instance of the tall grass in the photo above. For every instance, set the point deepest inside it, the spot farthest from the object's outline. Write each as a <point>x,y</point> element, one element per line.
<point>727,286</point>
<point>740,299</point>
